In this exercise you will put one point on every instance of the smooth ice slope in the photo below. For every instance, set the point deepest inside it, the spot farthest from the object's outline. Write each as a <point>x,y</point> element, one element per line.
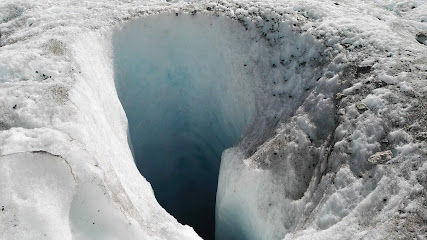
<point>187,94</point>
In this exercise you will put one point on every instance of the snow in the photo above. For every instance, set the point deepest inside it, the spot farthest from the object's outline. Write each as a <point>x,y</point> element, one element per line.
<point>301,170</point>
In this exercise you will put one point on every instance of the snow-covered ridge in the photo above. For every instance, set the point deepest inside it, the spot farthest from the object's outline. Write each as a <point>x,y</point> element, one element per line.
<point>345,80</point>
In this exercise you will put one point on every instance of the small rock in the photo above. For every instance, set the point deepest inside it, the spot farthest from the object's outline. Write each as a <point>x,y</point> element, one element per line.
<point>422,38</point>
<point>361,106</point>
<point>385,140</point>
<point>346,45</point>
<point>381,157</point>
<point>338,96</point>
<point>341,111</point>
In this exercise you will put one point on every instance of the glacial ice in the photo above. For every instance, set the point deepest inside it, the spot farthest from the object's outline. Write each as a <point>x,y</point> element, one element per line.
<point>333,84</point>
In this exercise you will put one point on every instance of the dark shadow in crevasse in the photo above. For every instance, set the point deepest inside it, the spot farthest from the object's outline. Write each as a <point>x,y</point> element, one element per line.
<point>185,104</point>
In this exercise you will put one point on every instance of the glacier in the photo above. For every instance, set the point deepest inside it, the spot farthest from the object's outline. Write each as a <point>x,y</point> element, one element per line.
<point>309,115</point>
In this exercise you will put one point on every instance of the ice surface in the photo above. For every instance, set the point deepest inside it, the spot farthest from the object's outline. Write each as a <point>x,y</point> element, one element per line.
<point>300,172</point>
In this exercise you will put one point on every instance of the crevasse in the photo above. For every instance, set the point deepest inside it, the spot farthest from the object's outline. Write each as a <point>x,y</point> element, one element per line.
<point>188,95</point>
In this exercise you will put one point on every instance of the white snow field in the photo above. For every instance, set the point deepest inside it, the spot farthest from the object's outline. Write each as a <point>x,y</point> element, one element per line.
<point>321,105</point>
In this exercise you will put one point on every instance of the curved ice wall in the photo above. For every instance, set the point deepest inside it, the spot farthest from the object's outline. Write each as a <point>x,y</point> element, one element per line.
<point>186,87</point>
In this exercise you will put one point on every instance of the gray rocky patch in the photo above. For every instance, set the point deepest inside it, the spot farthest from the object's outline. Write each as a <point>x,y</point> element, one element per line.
<point>380,157</point>
<point>338,96</point>
<point>361,106</point>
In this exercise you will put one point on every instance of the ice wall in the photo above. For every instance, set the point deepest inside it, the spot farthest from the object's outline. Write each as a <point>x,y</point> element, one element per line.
<point>262,179</point>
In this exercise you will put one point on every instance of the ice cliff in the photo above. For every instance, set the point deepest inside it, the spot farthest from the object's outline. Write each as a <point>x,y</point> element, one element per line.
<point>334,109</point>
